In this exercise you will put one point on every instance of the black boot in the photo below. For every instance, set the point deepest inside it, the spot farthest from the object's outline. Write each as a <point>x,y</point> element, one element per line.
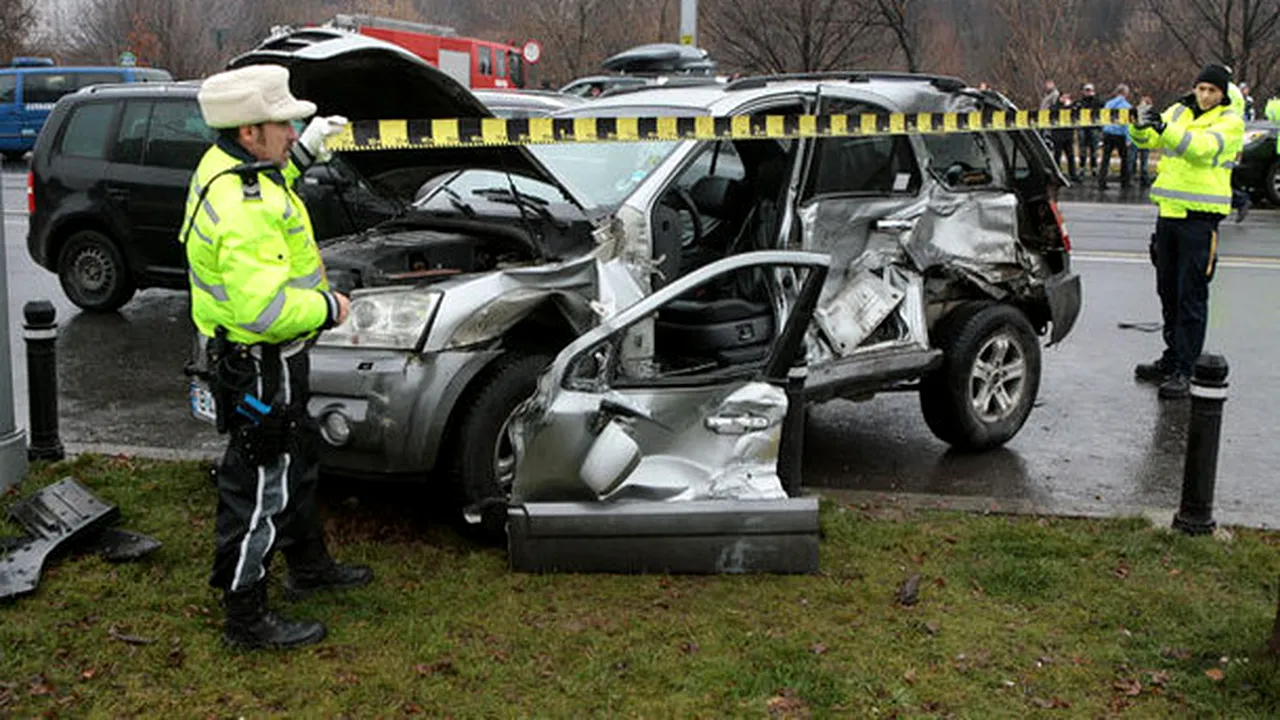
<point>300,582</point>
<point>250,625</point>
<point>1153,372</point>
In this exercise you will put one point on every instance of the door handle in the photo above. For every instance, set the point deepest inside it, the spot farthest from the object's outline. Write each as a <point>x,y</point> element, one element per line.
<point>118,194</point>
<point>736,424</point>
<point>895,225</point>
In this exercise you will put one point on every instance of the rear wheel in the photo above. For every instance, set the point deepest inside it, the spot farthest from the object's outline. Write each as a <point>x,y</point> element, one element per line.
<point>93,272</point>
<point>1272,187</point>
<point>484,462</point>
<point>990,375</point>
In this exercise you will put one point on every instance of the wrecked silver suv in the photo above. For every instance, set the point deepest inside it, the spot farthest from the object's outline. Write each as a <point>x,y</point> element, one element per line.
<point>948,262</point>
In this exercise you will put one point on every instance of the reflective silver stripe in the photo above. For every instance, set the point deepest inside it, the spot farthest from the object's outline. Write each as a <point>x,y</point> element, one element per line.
<point>1230,113</point>
<point>268,316</point>
<point>308,281</point>
<point>1177,113</point>
<point>1222,143</point>
<point>1230,165</point>
<point>296,230</point>
<point>219,292</point>
<point>195,228</point>
<point>288,209</point>
<point>208,208</point>
<point>1191,197</point>
<point>1182,145</point>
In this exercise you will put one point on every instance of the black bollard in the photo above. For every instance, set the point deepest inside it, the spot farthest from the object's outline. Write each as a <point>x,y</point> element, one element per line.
<point>791,449</point>
<point>41,333</point>
<point>1208,393</point>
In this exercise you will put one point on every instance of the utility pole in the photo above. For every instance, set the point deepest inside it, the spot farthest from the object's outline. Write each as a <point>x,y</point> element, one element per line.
<point>13,441</point>
<point>689,22</point>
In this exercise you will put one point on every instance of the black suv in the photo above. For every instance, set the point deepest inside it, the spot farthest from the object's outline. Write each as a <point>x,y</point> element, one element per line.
<point>108,182</point>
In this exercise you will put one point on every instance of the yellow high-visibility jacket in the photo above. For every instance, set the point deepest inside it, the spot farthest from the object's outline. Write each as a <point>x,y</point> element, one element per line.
<point>253,262</point>
<point>1273,114</point>
<point>1194,173</point>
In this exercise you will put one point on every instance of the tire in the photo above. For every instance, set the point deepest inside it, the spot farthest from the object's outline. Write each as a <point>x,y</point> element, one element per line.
<point>93,272</point>
<point>1272,187</point>
<point>484,464</point>
<point>957,399</point>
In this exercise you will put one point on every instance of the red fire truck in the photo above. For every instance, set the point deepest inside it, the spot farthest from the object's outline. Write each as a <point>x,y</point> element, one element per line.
<point>474,63</point>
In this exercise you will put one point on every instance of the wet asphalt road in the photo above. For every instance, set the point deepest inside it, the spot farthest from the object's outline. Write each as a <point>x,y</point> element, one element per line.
<point>1096,442</point>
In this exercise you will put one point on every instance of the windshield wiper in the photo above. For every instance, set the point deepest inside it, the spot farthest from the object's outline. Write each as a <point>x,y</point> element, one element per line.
<point>524,200</point>
<point>457,202</point>
<point>499,193</point>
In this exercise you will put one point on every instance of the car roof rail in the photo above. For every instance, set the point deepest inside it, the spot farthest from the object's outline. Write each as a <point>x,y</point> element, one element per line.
<point>945,83</point>
<point>692,81</point>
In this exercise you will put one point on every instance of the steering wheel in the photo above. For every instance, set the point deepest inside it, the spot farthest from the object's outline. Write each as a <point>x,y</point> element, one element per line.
<point>680,198</point>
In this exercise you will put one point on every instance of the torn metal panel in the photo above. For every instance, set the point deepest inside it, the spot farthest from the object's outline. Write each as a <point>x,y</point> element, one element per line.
<point>53,518</point>
<point>859,309</point>
<point>979,229</point>
<point>702,537</point>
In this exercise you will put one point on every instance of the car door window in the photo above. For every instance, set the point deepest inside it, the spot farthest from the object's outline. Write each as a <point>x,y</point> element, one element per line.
<point>8,89</point>
<point>87,131</point>
<point>880,165</point>
<point>46,88</point>
<point>177,136</point>
<point>132,135</point>
<point>484,58</point>
<point>962,160</point>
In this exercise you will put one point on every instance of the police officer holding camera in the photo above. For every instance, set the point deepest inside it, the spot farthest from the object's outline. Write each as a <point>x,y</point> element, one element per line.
<point>1199,137</point>
<point>259,296</point>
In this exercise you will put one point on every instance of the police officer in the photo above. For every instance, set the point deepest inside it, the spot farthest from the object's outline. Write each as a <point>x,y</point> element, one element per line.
<point>1272,111</point>
<point>1199,136</point>
<point>259,295</point>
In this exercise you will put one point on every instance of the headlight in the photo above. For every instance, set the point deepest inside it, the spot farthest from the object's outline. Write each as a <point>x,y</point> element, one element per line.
<point>1253,136</point>
<point>390,318</point>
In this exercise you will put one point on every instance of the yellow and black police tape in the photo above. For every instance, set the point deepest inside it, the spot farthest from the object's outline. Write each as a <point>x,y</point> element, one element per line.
<point>466,132</point>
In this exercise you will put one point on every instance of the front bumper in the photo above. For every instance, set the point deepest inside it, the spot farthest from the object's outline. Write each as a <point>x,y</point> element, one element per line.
<point>395,405</point>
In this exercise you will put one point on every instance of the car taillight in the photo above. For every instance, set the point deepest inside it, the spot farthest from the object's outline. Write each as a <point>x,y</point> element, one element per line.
<point>1062,227</point>
<point>31,193</point>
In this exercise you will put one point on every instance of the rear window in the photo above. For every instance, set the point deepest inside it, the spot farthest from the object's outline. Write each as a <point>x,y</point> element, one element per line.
<point>178,136</point>
<point>85,79</point>
<point>87,129</point>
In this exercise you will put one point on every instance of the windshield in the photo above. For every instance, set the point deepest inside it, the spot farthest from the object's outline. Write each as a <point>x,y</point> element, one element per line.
<point>603,174</point>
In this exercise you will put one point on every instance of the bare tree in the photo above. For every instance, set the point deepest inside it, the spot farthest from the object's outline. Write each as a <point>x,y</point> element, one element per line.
<point>1244,34</point>
<point>577,35</point>
<point>801,35</point>
<point>17,19</point>
<point>904,20</point>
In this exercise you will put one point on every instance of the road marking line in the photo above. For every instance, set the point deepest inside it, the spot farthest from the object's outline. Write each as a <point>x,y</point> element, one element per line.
<point>1141,258</point>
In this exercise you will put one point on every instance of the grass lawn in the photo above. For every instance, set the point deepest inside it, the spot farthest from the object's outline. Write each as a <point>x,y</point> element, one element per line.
<point>1015,617</point>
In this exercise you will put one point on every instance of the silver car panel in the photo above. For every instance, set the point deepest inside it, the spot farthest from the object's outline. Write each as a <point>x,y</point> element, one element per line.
<point>579,441</point>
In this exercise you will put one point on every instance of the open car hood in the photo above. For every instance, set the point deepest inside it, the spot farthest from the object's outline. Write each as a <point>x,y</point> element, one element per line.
<point>364,78</point>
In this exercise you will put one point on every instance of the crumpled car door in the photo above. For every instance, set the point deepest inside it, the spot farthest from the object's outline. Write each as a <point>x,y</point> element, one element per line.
<point>860,197</point>
<point>606,425</point>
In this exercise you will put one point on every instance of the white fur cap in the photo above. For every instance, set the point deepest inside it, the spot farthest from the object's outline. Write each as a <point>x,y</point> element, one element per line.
<point>251,95</point>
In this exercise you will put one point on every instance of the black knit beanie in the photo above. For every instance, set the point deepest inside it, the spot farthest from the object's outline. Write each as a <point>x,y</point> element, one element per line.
<point>1215,74</point>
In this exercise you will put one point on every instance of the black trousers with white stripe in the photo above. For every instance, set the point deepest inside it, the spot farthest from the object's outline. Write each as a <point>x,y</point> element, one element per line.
<point>270,507</point>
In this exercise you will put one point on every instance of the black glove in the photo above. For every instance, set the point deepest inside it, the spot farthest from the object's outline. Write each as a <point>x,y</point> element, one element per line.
<point>1149,117</point>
